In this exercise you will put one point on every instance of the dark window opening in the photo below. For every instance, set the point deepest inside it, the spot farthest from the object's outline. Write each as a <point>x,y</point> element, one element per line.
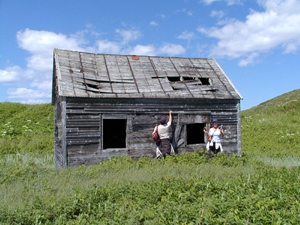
<point>204,81</point>
<point>174,79</point>
<point>194,133</point>
<point>114,133</point>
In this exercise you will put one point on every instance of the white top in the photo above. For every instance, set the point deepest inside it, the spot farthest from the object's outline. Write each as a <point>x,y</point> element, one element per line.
<point>215,134</point>
<point>163,130</point>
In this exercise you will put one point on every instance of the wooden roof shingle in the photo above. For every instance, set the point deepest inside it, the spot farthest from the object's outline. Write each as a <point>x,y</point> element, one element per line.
<point>81,74</point>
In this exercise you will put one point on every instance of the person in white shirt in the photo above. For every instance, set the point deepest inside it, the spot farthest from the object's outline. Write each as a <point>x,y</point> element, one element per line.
<point>214,136</point>
<point>164,146</point>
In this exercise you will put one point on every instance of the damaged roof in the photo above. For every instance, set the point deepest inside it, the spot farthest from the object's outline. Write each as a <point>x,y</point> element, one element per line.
<point>81,74</point>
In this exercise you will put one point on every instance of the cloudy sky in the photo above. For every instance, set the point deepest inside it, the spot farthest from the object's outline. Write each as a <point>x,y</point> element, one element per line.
<point>256,42</point>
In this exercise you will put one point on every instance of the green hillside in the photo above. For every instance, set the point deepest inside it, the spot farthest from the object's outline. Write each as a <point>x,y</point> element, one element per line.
<point>272,128</point>
<point>261,187</point>
<point>26,128</point>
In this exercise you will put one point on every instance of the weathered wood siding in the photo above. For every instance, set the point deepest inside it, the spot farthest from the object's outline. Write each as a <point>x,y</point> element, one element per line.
<point>93,93</point>
<point>60,134</point>
<point>84,116</point>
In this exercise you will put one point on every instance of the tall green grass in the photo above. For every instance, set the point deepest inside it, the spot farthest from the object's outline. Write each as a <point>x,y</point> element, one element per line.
<point>26,128</point>
<point>183,189</point>
<point>261,187</point>
<point>272,128</point>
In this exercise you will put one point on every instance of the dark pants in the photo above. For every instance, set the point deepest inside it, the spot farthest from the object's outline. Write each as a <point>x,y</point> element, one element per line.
<point>213,148</point>
<point>165,146</point>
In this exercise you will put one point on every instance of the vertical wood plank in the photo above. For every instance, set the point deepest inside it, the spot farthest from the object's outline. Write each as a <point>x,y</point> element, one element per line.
<point>63,135</point>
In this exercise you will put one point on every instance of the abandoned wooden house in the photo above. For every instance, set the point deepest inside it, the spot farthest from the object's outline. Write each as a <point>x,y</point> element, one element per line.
<point>107,105</point>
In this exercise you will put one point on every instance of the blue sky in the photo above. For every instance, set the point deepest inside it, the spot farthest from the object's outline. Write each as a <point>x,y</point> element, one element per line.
<point>256,42</point>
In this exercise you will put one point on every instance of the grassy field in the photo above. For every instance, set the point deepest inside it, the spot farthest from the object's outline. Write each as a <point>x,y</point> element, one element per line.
<point>261,187</point>
<point>272,128</point>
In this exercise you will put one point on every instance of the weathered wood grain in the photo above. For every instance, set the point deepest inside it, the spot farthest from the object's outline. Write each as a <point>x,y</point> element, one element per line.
<point>90,88</point>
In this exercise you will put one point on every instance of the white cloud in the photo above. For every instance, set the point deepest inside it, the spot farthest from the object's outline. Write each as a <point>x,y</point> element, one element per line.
<point>291,47</point>
<point>143,50</point>
<point>186,35</point>
<point>10,75</point>
<point>171,49</point>
<point>248,60</point>
<point>39,42</point>
<point>189,13</point>
<point>165,49</point>
<point>34,83</point>
<point>229,2</point>
<point>219,14</point>
<point>128,35</point>
<point>208,2</point>
<point>40,45</point>
<point>234,2</point>
<point>45,85</point>
<point>27,93</point>
<point>153,23</point>
<point>38,71</point>
<point>277,26</point>
<point>40,62</point>
<point>184,10</point>
<point>108,47</point>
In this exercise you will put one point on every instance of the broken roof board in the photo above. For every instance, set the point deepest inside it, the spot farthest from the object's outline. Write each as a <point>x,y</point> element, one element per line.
<point>81,74</point>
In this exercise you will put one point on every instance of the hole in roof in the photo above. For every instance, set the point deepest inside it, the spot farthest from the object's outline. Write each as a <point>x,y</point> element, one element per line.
<point>178,88</point>
<point>204,81</point>
<point>174,79</point>
<point>189,78</point>
<point>212,90</point>
<point>92,86</point>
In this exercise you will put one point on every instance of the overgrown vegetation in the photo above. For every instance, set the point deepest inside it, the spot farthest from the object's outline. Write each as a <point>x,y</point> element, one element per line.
<point>272,128</point>
<point>26,128</point>
<point>261,187</point>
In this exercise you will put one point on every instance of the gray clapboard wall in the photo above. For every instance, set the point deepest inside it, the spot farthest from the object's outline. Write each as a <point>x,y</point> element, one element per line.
<point>107,105</point>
